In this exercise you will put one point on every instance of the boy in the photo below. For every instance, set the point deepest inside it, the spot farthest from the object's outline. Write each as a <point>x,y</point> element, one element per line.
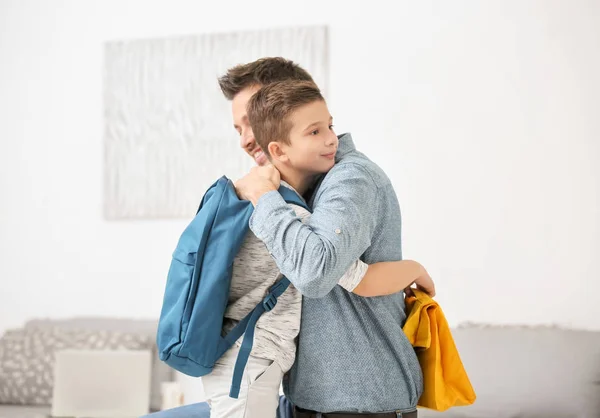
<point>293,127</point>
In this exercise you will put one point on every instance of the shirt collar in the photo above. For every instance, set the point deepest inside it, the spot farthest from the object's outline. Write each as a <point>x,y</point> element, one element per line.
<point>345,146</point>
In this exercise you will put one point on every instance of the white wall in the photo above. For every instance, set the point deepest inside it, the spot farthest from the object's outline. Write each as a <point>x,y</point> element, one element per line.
<point>484,114</point>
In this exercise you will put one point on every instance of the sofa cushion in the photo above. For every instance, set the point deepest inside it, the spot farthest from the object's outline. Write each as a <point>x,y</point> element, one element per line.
<point>22,411</point>
<point>27,358</point>
<point>160,371</point>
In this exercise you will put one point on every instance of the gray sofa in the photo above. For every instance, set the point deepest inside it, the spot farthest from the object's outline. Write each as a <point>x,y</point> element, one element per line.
<point>529,372</point>
<point>517,372</point>
<point>138,332</point>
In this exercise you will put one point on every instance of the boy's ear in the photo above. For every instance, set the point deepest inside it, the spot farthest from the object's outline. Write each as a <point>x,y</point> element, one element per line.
<point>277,152</point>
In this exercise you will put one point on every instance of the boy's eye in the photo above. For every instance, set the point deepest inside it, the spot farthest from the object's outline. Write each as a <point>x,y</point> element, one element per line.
<point>331,126</point>
<point>315,132</point>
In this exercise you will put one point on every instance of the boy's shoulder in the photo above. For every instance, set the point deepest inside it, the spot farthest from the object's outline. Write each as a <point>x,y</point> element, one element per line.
<point>299,210</point>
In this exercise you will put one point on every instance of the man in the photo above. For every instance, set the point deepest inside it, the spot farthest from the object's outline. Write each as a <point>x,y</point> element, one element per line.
<point>353,357</point>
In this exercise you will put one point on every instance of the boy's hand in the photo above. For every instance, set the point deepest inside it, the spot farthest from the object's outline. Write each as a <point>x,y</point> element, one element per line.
<point>424,283</point>
<point>259,181</point>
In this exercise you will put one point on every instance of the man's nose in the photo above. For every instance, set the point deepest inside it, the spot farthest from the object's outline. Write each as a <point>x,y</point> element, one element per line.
<point>246,139</point>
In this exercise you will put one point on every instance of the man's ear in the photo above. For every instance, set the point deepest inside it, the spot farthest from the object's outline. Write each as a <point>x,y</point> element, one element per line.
<point>277,152</point>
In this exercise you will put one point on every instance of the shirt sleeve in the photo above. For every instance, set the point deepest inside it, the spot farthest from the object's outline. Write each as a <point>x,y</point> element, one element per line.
<point>357,270</point>
<point>354,275</point>
<point>315,255</point>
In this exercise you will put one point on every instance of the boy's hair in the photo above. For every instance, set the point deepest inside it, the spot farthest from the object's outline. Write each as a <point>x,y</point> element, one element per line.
<point>260,72</point>
<point>270,108</point>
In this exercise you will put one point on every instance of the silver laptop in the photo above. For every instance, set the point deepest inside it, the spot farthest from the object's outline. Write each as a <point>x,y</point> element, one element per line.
<point>101,383</point>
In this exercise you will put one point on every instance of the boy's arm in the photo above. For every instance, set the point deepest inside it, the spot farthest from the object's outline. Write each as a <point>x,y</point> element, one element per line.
<point>315,255</point>
<point>381,279</point>
<point>386,278</point>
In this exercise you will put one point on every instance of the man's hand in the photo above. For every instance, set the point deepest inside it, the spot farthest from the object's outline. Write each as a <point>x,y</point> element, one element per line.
<point>259,181</point>
<point>424,283</point>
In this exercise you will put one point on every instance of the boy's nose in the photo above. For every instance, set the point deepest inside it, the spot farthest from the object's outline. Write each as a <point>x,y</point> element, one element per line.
<point>332,139</point>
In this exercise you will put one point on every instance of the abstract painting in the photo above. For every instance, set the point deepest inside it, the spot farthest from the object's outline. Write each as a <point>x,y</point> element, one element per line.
<point>168,133</point>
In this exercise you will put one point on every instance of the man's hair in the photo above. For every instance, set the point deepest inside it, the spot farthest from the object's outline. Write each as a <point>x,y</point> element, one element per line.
<point>260,72</point>
<point>270,108</point>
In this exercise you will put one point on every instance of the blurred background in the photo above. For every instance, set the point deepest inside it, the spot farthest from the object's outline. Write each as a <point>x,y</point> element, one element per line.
<point>484,114</point>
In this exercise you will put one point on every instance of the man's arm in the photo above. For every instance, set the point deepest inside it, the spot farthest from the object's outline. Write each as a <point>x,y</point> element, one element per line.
<point>315,255</point>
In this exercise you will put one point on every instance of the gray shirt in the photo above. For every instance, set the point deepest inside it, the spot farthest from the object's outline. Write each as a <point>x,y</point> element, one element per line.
<point>352,353</point>
<point>254,272</point>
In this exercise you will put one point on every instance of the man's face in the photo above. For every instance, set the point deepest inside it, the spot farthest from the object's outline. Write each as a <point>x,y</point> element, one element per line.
<point>242,125</point>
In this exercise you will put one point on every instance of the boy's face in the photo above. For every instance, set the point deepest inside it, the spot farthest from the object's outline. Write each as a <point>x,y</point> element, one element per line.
<point>242,125</point>
<point>313,143</point>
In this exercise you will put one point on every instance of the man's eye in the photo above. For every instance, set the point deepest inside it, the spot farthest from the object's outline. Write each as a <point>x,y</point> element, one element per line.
<point>331,126</point>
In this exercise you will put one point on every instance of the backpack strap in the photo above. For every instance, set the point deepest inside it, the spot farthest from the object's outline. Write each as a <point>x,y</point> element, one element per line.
<point>267,304</point>
<point>292,197</point>
<point>247,325</point>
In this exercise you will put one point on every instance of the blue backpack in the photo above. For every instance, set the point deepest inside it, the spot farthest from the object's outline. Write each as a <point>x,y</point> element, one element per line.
<point>189,336</point>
